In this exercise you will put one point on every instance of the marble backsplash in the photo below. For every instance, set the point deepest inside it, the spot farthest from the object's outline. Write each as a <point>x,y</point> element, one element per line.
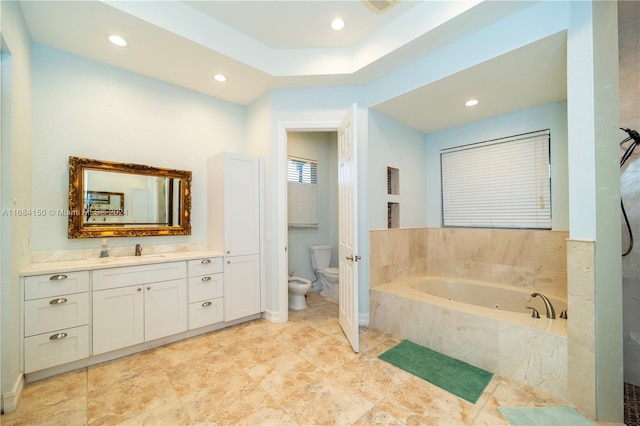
<point>523,258</point>
<point>94,252</point>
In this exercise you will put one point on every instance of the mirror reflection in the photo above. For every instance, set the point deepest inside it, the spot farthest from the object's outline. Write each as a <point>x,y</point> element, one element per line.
<point>127,199</point>
<point>120,199</point>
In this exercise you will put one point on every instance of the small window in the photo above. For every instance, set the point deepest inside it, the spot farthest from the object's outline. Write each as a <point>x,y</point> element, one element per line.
<point>302,176</point>
<point>502,183</point>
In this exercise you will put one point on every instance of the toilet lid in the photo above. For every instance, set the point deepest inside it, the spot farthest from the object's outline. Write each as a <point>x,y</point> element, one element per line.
<point>332,271</point>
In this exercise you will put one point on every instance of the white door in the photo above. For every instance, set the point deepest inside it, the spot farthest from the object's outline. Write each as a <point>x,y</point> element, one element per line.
<point>348,224</point>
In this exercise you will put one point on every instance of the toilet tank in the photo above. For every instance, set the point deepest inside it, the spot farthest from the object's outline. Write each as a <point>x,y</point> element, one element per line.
<point>320,256</point>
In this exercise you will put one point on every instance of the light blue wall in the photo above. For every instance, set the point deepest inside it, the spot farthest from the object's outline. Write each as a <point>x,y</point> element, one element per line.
<point>393,144</point>
<point>551,116</point>
<point>323,148</point>
<point>16,168</point>
<point>87,109</point>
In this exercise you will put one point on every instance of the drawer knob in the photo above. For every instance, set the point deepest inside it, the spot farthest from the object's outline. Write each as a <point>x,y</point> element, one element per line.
<point>205,304</point>
<point>206,278</point>
<point>58,301</point>
<point>205,261</point>
<point>58,277</point>
<point>57,336</point>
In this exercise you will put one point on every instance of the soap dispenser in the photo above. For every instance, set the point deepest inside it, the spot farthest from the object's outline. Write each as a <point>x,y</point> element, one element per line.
<point>104,250</point>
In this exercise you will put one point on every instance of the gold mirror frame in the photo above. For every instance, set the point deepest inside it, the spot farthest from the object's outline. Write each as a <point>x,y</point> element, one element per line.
<point>77,227</point>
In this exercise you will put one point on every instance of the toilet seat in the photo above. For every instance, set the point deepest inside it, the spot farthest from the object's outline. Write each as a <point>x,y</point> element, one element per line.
<point>299,285</point>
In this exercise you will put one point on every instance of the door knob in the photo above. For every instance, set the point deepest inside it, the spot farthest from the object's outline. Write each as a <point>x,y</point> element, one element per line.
<point>349,258</point>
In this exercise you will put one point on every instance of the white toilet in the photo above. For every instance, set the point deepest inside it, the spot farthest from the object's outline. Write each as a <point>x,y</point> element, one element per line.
<point>329,277</point>
<point>298,288</point>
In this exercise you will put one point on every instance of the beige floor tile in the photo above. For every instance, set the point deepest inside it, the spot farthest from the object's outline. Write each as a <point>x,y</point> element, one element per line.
<point>53,391</point>
<point>129,398</point>
<point>283,375</point>
<point>303,372</point>
<point>328,353</point>
<point>324,403</point>
<point>70,412</point>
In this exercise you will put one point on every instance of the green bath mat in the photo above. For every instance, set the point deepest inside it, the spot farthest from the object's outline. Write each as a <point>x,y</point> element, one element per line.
<point>455,376</point>
<point>544,416</point>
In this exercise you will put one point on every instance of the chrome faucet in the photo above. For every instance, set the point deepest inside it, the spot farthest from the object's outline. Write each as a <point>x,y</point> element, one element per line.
<point>547,304</point>
<point>138,250</point>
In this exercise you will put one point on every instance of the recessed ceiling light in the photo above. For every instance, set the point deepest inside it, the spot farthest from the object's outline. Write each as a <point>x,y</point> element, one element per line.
<point>220,77</point>
<point>471,102</point>
<point>117,40</point>
<point>337,24</point>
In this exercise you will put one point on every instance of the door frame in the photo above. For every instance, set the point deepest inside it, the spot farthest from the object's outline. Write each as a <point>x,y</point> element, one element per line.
<point>284,127</point>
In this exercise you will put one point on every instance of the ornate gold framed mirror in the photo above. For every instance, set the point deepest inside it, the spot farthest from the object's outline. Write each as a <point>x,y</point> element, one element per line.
<point>108,199</point>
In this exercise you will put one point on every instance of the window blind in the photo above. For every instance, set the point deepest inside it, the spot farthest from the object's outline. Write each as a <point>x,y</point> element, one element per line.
<point>302,186</point>
<point>503,183</point>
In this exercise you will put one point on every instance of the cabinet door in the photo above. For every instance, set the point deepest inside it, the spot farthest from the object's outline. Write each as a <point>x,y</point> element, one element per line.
<point>118,318</point>
<point>241,286</point>
<point>241,205</point>
<point>165,309</point>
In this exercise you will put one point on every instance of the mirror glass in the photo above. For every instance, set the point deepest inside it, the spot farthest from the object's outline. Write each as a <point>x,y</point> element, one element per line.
<point>120,199</point>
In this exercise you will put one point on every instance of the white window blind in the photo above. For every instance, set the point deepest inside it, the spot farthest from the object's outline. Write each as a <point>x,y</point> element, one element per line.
<point>302,176</point>
<point>503,183</point>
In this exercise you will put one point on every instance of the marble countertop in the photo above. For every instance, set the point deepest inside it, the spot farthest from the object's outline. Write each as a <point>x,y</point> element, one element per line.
<point>112,262</point>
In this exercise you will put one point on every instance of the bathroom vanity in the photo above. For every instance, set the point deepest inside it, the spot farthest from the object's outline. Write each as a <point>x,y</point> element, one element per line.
<point>82,312</point>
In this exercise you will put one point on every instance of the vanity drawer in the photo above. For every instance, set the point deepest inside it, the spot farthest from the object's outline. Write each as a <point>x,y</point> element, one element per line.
<point>206,313</point>
<point>135,275</point>
<point>51,349</point>
<point>44,315</point>
<point>205,287</point>
<point>209,265</point>
<point>39,286</point>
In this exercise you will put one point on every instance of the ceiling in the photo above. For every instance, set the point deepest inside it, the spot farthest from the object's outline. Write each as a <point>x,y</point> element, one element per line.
<point>261,45</point>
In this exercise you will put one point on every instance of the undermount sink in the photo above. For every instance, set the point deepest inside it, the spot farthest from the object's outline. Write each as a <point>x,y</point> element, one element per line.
<point>114,258</point>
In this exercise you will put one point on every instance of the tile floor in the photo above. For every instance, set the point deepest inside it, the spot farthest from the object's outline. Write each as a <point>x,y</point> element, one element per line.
<point>300,373</point>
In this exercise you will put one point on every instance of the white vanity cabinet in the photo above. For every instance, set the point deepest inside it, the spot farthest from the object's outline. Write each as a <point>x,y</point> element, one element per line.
<point>206,303</point>
<point>56,318</point>
<point>234,210</point>
<point>136,304</point>
<point>103,309</point>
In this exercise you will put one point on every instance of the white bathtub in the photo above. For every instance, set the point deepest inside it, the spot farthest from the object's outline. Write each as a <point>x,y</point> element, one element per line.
<point>487,295</point>
<point>484,324</point>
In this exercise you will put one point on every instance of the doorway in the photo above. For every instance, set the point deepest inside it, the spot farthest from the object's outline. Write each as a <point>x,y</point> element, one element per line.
<point>348,223</point>
<point>312,196</point>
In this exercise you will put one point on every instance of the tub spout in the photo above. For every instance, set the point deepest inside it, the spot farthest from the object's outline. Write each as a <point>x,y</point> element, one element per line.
<point>547,304</point>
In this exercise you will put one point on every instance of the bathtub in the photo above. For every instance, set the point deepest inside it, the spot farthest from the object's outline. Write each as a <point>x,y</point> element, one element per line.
<point>484,324</point>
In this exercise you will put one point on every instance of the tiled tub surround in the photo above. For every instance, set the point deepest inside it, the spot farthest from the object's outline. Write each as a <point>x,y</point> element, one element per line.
<point>527,350</point>
<point>535,354</point>
<point>530,259</point>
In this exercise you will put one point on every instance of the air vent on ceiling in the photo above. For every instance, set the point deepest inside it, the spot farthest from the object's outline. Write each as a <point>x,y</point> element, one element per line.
<point>379,6</point>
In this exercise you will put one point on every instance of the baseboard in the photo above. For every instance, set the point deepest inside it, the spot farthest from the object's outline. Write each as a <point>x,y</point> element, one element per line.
<point>10,399</point>
<point>363,320</point>
<point>273,316</point>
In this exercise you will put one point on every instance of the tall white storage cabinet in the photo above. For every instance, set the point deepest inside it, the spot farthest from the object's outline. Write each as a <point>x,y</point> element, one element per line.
<point>233,195</point>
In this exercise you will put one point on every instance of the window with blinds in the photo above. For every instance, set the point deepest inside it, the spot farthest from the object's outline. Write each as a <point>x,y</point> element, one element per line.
<point>302,177</point>
<point>502,183</point>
